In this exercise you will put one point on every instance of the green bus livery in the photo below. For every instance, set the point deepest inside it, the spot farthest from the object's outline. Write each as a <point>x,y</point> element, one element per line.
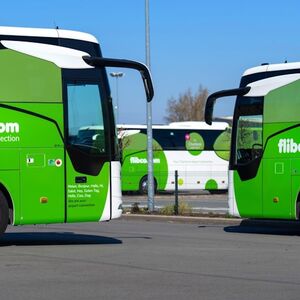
<point>264,167</point>
<point>199,153</point>
<point>53,87</point>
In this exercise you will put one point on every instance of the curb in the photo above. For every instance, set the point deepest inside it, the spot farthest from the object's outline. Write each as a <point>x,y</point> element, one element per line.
<point>289,225</point>
<point>182,219</point>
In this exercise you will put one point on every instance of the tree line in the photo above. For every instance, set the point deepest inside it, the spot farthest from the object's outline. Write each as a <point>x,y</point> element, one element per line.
<point>187,107</point>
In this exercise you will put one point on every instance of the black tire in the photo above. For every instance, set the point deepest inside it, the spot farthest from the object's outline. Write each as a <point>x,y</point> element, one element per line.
<point>143,188</point>
<point>4,213</point>
<point>298,210</point>
<point>217,192</point>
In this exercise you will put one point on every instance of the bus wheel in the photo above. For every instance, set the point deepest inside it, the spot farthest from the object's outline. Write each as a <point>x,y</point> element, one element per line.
<point>217,192</point>
<point>4,213</point>
<point>144,185</point>
<point>298,209</point>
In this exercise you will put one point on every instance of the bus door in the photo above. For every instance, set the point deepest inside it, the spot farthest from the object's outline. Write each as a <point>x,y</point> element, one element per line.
<point>88,159</point>
<point>42,185</point>
<point>41,158</point>
<point>280,174</point>
<point>295,170</point>
<point>276,187</point>
<point>248,150</point>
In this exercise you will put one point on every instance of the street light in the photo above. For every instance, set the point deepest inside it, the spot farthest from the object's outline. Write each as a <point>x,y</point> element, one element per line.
<point>149,117</point>
<point>117,75</point>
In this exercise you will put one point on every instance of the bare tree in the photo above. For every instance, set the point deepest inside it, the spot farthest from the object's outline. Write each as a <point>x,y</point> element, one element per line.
<point>187,107</point>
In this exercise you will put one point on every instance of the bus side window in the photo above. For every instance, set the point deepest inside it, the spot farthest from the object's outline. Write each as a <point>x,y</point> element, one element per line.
<point>165,138</point>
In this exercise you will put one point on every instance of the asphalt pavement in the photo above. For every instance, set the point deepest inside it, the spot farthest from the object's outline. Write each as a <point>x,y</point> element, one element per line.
<point>136,259</point>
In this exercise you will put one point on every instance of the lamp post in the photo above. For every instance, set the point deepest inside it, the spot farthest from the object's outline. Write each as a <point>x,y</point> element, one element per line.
<point>117,75</point>
<point>149,118</point>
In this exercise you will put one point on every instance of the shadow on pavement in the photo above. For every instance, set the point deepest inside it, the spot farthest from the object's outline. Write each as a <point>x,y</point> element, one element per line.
<point>272,227</point>
<point>54,238</point>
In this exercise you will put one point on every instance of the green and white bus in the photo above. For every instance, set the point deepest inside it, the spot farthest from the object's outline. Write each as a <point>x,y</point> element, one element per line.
<point>197,151</point>
<point>53,88</point>
<point>264,168</point>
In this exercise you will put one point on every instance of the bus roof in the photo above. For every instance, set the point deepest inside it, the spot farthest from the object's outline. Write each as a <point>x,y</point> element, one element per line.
<point>272,67</point>
<point>179,125</point>
<point>45,32</point>
<point>63,57</point>
<point>264,86</point>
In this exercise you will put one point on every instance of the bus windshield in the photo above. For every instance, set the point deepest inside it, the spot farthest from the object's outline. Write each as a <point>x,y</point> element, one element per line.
<point>249,138</point>
<point>85,117</point>
<point>248,134</point>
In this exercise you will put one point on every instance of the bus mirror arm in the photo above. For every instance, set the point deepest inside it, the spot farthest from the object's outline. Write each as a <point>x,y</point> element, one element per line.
<point>123,63</point>
<point>211,100</point>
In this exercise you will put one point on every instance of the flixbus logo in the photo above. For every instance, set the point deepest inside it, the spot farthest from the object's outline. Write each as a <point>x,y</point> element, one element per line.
<point>288,146</point>
<point>9,127</point>
<point>136,160</point>
<point>9,132</point>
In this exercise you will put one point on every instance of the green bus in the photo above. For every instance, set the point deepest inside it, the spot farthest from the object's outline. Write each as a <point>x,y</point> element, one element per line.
<point>264,166</point>
<point>53,89</point>
<point>198,152</point>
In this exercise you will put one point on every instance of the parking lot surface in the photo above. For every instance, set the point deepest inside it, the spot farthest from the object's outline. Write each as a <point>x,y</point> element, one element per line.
<point>137,259</point>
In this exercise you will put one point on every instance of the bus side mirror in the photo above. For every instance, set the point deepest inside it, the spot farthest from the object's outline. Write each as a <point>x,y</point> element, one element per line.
<point>123,63</point>
<point>211,100</point>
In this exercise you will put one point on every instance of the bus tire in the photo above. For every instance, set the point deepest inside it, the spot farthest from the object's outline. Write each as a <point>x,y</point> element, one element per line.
<point>217,192</point>
<point>298,209</point>
<point>4,213</point>
<point>143,187</point>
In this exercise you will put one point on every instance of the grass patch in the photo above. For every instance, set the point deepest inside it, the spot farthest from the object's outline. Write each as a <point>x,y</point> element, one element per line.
<point>183,209</point>
<point>169,210</point>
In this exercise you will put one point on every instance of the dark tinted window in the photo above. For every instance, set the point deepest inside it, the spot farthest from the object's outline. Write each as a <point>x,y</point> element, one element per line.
<point>171,139</point>
<point>85,118</point>
<point>175,139</point>
<point>248,130</point>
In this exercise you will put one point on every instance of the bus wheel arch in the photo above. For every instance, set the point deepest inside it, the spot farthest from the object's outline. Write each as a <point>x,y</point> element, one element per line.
<point>143,185</point>
<point>5,209</point>
<point>298,207</point>
<point>5,195</point>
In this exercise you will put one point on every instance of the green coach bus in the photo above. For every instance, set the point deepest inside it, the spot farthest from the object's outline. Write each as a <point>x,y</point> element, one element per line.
<point>53,88</point>
<point>198,152</point>
<point>264,166</point>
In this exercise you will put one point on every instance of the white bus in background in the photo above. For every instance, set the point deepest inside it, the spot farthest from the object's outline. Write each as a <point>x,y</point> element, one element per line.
<point>199,153</point>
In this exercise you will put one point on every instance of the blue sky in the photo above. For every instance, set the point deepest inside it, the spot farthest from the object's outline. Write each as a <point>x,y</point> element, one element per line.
<point>193,42</point>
